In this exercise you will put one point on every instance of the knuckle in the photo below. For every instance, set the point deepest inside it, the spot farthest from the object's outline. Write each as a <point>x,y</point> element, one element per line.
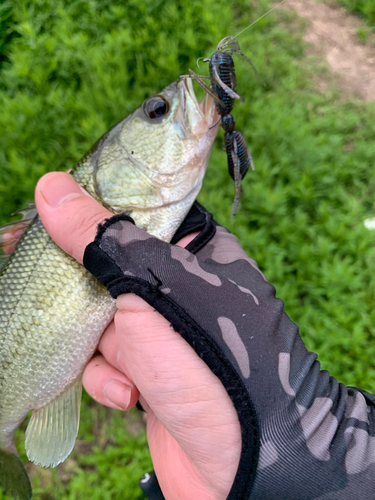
<point>86,222</point>
<point>80,227</point>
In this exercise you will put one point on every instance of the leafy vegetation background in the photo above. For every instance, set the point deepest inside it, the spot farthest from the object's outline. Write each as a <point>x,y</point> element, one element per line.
<point>70,69</point>
<point>364,8</point>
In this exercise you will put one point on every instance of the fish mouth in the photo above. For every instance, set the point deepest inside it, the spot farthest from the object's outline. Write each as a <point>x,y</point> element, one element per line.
<point>206,109</point>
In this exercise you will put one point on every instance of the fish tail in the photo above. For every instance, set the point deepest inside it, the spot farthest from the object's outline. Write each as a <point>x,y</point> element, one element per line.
<point>13,476</point>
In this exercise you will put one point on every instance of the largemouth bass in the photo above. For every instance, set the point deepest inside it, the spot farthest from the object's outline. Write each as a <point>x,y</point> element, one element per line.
<point>52,311</point>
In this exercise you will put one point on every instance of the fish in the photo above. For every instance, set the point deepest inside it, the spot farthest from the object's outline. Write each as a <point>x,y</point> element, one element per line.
<point>52,310</point>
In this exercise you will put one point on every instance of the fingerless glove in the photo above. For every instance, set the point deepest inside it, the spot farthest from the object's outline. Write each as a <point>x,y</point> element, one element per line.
<point>304,435</point>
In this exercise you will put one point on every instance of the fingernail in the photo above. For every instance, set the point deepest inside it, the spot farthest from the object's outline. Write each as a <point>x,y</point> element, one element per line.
<point>118,393</point>
<point>57,188</point>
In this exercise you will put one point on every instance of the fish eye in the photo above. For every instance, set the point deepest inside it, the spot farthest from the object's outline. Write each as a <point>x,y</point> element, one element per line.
<point>156,107</point>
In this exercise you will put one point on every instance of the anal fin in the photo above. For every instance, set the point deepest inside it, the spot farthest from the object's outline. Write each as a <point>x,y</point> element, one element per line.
<point>52,430</point>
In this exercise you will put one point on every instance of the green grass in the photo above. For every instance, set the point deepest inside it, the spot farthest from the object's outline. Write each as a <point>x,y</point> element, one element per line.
<point>109,458</point>
<point>71,69</point>
<point>363,8</point>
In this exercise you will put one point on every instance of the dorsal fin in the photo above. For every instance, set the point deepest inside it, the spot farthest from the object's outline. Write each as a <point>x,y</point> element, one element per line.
<point>28,212</point>
<point>11,233</point>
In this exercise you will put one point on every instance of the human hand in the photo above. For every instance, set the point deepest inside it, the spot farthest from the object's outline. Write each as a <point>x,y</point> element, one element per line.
<point>192,426</point>
<point>303,435</point>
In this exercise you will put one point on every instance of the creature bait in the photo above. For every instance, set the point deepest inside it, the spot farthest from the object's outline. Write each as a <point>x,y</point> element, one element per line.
<point>223,90</point>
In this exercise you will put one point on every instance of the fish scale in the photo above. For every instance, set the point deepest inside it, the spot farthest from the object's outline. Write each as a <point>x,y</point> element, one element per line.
<point>37,256</point>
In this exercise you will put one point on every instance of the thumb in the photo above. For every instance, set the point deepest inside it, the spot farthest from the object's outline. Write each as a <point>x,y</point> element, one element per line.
<point>68,212</point>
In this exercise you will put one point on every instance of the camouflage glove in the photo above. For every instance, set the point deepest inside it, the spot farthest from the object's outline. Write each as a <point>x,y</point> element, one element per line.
<point>304,435</point>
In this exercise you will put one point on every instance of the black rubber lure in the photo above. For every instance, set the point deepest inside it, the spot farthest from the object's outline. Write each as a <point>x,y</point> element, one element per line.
<point>223,90</point>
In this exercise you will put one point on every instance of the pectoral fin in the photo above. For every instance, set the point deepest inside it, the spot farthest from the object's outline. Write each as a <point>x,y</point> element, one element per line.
<point>52,430</point>
<point>11,233</point>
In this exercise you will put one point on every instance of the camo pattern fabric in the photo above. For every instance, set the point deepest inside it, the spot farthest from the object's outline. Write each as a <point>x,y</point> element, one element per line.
<point>314,438</point>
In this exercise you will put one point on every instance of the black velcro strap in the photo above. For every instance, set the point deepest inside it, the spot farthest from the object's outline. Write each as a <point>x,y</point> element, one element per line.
<point>98,262</point>
<point>198,219</point>
<point>105,270</point>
